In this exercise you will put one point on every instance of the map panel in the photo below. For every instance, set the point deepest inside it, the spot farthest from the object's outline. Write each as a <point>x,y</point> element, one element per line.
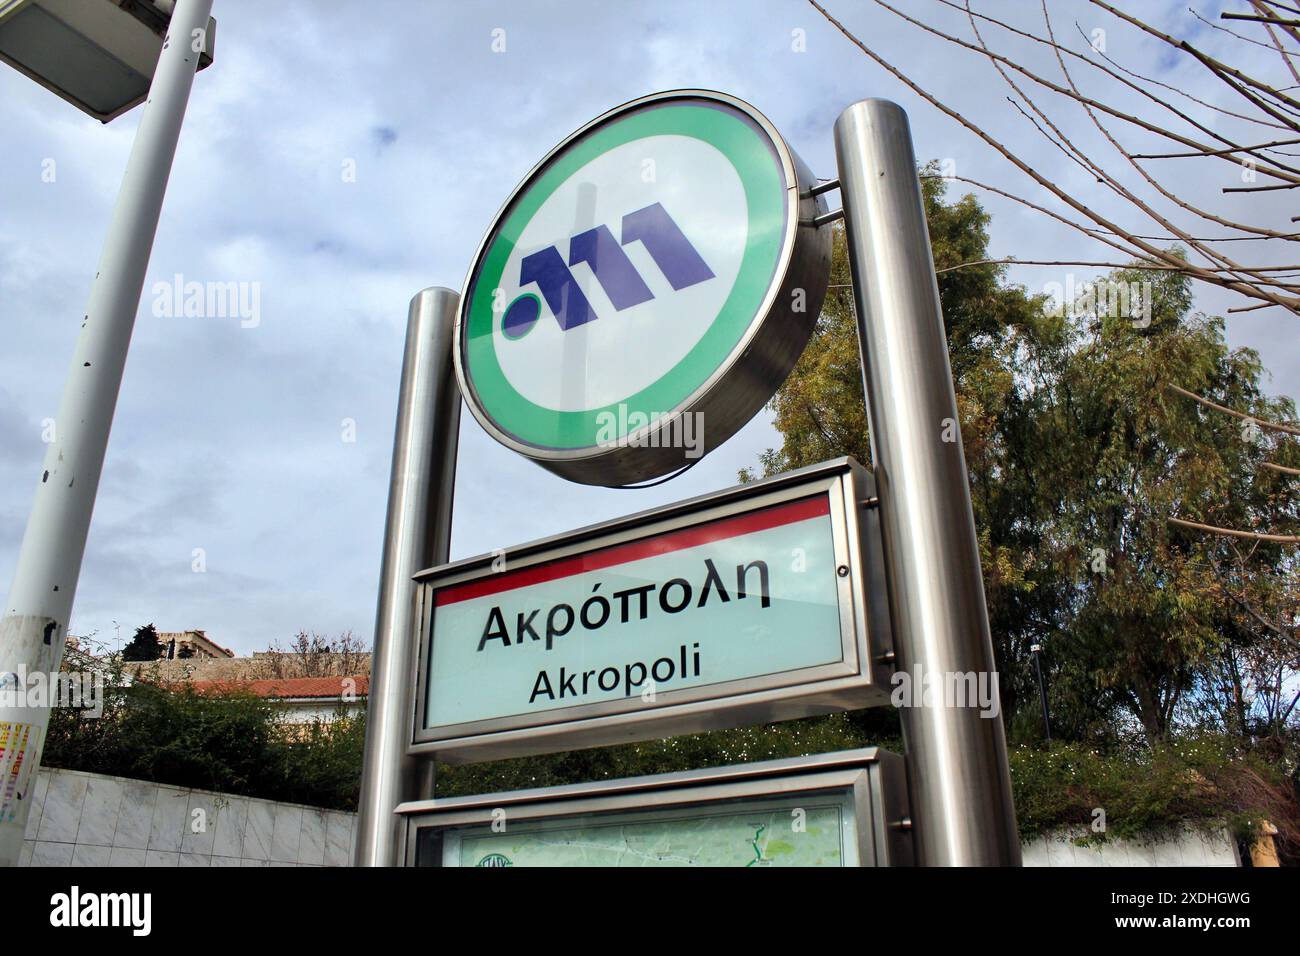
<point>815,829</point>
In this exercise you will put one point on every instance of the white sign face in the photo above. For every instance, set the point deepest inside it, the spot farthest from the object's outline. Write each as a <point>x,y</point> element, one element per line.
<point>644,292</point>
<point>740,604</point>
<point>737,598</point>
<point>661,327</point>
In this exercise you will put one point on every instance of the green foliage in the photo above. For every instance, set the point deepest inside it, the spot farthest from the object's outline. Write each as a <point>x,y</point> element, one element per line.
<point>319,763</point>
<point>1206,781</point>
<point>791,739</point>
<point>229,743</point>
<point>143,646</point>
<point>1202,780</point>
<point>1078,453</point>
<point>1138,611</point>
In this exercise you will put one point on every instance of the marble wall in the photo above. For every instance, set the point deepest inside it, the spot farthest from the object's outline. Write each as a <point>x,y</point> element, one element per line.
<point>84,819</point>
<point>1188,848</point>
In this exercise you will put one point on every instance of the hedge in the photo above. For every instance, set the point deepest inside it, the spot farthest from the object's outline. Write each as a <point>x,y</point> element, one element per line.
<point>240,744</point>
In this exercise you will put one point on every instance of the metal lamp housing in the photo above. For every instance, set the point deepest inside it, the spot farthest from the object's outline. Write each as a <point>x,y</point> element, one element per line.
<point>99,55</point>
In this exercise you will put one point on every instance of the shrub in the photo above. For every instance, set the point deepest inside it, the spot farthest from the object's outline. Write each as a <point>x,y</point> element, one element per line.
<point>241,744</point>
<point>1201,780</point>
<point>230,743</point>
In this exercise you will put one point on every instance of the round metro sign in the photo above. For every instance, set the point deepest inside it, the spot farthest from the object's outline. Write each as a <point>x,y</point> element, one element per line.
<point>644,291</point>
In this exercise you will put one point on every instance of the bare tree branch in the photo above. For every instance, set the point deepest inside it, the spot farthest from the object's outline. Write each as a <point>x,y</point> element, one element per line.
<point>1261,422</point>
<point>1282,468</point>
<point>1206,259</point>
<point>1234,533</point>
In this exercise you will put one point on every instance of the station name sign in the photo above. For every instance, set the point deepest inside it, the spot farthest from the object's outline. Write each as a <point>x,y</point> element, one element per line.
<point>748,605</point>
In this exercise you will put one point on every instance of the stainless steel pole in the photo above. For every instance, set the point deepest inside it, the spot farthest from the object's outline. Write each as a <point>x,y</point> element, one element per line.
<point>417,536</point>
<point>39,604</point>
<point>962,808</point>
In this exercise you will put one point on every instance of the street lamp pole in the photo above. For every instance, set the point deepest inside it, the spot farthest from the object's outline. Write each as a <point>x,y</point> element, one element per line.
<point>39,604</point>
<point>1037,651</point>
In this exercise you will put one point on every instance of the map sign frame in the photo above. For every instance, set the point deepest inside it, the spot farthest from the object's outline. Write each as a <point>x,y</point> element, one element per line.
<point>759,814</point>
<point>788,683</point>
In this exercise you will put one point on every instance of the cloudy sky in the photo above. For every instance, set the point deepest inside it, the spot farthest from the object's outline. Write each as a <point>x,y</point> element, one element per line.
<point>229,437</point>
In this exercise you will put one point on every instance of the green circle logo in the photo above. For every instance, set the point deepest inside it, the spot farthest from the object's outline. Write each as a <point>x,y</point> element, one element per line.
<point>495,859</point>
<point>624,277</point>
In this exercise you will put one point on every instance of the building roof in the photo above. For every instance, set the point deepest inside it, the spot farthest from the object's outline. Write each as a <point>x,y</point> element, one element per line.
<point>289,688</point>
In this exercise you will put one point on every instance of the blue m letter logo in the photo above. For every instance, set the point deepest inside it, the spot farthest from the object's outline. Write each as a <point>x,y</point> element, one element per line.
<point>671,251</point>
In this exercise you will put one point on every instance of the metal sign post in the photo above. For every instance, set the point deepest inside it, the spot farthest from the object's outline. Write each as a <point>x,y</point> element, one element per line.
<point>608,352</point>
<point>957,759</point>
<point>417,534</point>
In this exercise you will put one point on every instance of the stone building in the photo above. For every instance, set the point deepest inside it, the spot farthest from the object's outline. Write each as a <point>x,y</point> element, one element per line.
<point>190,645</point>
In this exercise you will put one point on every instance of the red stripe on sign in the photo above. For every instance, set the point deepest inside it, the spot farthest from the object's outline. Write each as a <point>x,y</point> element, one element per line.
<point>761,520</point>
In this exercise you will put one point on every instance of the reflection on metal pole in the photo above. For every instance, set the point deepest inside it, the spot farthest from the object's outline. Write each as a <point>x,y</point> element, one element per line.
<point>36,611</point>
<point>417,536</point>
<point>957,760</point>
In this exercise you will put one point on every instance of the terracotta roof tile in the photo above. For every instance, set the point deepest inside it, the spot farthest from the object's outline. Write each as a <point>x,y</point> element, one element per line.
<point>285,687</point>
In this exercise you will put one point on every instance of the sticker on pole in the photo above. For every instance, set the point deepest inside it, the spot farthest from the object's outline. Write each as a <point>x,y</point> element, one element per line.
<point>645,290</point>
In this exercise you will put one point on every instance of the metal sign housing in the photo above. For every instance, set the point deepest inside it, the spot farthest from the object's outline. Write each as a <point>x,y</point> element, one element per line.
<point>777,615</point>
<point>644,291</point>
<point>853,803</point>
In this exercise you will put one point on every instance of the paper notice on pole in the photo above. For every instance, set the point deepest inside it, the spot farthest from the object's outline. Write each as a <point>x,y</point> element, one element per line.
<point>16,765</point>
